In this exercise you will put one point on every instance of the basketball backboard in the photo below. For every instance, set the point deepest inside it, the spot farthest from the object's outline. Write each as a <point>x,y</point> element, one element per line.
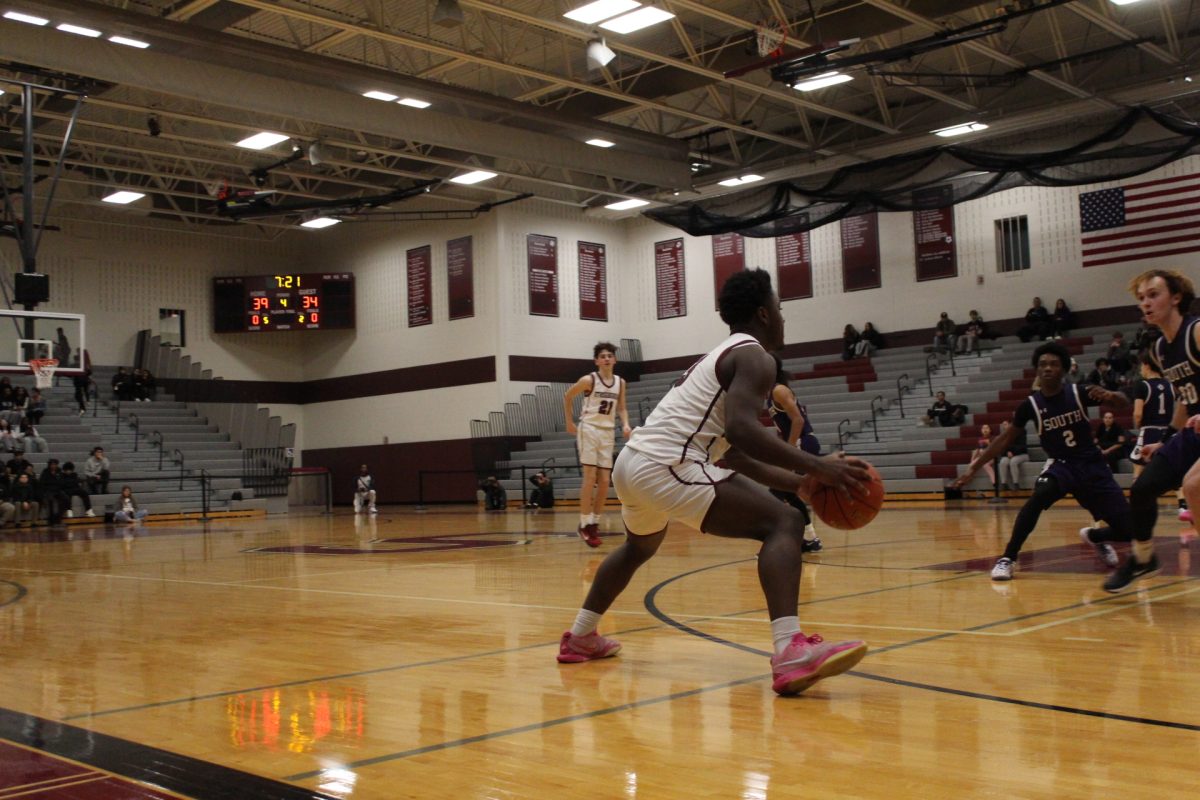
<point>41,334</point>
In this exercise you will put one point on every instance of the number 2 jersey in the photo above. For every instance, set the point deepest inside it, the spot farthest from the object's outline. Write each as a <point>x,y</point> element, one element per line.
<point>689,423</point>
<point>1062,424</point>
<point>600,403</point>
<point>1180,365</point>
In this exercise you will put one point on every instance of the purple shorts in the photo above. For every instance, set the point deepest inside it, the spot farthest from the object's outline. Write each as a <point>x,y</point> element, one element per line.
<point>1093,485</point>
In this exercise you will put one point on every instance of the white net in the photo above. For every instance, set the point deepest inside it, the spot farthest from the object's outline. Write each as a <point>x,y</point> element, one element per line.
<point>769,37</point>
<point>43,371</point>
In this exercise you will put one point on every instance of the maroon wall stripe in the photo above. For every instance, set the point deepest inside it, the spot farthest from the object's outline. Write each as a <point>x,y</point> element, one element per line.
<point>369,384</point>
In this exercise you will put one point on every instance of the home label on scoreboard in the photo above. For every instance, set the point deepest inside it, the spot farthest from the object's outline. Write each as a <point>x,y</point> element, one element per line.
<point>284,302</point>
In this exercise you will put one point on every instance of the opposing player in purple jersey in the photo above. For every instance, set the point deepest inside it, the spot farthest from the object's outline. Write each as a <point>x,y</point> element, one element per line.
<point>1058,411</point>
<point>1164,298</point>
<point>791,420</point>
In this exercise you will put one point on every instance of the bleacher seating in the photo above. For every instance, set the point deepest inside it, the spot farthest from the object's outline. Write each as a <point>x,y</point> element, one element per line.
<point>135,458</point>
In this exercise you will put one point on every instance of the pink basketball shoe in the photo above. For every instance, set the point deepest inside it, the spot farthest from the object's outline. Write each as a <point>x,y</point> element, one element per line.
<point>573,649</point>
<point>808,659</point>
<point>1185,515</point>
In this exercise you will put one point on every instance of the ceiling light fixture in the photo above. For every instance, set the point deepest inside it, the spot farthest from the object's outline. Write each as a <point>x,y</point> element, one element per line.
<point>384,96</point>
<point>601,9</point>
<point>598,54</point>
<point>17,16</point>
<point>79,30</point>
<point>448,14</point>
<point>822,81</point>
<point>740,180</point>
<point>316,154</point>
<point>959,130</point>
<point>1124,2</point>
<point>413,102</point>
<point>625,205</point>
<point>123,197</point>
<point>478,176</point>
<point>600,143</point>
<point>636,20</point>
<point>261,141</point>
<point>320,222</point>
<point>125,40</point>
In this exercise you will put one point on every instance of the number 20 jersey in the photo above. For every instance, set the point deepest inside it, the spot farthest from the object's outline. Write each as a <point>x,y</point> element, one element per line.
<point>1180,364</point>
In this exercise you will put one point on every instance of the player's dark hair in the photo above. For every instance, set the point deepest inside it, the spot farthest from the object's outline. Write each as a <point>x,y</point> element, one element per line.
<point>1145,360</point>
<point>1177,283</point>
<point>743,294</point>
<point>1054,349</point>
<point>601,347</point>
<point>781,374</point>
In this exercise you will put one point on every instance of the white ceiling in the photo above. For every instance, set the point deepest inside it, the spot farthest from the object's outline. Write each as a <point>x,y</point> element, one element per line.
<point>510,91</point>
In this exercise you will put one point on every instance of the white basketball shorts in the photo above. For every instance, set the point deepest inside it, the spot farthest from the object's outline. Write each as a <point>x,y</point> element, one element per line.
<point>595,446</point>
<point>653,494</point>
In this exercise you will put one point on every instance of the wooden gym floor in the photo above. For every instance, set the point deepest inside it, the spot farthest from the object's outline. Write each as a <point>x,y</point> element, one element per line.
<point>412,655</point>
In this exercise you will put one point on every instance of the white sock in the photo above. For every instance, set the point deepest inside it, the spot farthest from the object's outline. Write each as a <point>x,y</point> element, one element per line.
<point>810,532</point>
<point>585,622</point>
<point>782,631</point>
<point>583,519</point>
<point>595,519</point>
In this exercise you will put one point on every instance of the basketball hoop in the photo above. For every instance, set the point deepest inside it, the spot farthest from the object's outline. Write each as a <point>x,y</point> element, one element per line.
<point>770,36</point>
<point>43,371</point>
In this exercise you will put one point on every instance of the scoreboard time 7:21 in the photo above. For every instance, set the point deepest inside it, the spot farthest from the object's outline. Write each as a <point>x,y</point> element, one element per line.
<point>284,302</point>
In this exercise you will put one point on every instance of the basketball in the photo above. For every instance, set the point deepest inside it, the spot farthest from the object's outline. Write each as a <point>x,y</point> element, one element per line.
<point>848,514</point>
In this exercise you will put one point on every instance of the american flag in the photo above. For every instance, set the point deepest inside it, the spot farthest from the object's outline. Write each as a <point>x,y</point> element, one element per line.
<point>1152,219</point>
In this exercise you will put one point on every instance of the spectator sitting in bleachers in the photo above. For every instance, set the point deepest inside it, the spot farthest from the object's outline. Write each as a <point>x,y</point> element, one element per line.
<point>24,499</point>
<point>96,471</point>
<point>54,498</point>
<point>850,340</point>
<point>869,341</point>
<point>1111,438</point>
<point>8,440</point>
<point>944,333</point>
<point>73,488</point>
<point>1104,376</point>
<point>1061,319</point>
<point>1118,354</point>
<point>1016,455</point>
<point>985,438</point>
<point>33,441</point>
<point>7,411</point>
<point>36,408</point>
<point>1074,375</point>
<point>1037,322</point>
<point>122,385</point>
<point>21,401</point>
<point>144,387</point>
<point>19,463</point>
<point>945,413</point>
<point>7,509</point>
<point>972,332</point>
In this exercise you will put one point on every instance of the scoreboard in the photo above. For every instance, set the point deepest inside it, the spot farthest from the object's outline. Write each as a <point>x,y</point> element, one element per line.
<point>284,302</point>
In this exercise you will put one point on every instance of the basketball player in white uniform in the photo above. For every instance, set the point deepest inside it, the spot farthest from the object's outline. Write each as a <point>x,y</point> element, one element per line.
<point>667,471</point>
<point>603,399</point>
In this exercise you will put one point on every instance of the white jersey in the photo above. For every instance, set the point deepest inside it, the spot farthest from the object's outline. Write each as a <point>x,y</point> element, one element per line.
<point>600,403</point>
<point>689,423</point>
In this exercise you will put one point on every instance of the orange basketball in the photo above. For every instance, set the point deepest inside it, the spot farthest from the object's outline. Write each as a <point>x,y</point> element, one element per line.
<point>848,514</point>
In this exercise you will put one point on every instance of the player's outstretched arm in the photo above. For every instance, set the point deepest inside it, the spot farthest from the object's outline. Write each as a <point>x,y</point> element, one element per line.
<point>749,373</point>
<point>999,445</point>
<point>1116,400</point>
